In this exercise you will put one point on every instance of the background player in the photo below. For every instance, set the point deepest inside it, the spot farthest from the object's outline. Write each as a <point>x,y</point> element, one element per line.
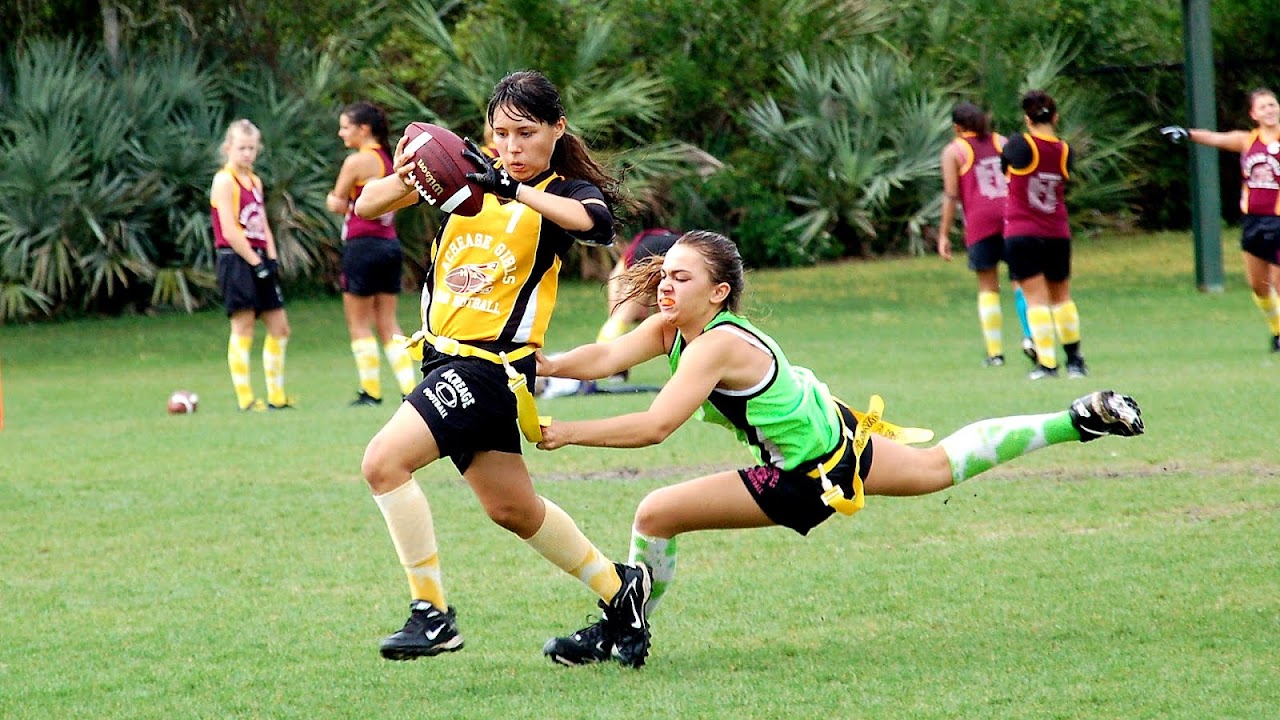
<point>247,267</point>
<point>372,260</point>
<point>1259,198</point>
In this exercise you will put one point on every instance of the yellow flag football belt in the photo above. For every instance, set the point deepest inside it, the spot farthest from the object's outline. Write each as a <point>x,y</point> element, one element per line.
<point>869,423</point>
<point>517,383</point>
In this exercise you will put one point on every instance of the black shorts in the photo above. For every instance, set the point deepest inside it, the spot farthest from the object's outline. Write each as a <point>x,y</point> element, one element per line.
<point>468,406</point>
<point>793,499</point>
<point>371,266</point>
<point>986,253</point>
<point>1260,237</point>
<point>239,291</point>
<point>1031,256</point>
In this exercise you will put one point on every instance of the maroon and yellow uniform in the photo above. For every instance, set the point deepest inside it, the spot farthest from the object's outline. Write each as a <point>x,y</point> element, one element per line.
<point>383,226</point>
<point>1036,205</point>
<point>1260,177</point>
<point>983,186</point>
<point>249,211</point>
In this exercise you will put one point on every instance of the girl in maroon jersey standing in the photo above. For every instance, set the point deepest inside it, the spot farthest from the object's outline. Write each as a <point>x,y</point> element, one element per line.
<point>246,267</point>
<point>1259,151</point>
<point>372,261</point>
<point>1037,235</point>
<point>972,177</point>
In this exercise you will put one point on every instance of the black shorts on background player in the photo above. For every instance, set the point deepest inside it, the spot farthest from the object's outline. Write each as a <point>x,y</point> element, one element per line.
<point>986,253</point>
<point>1031,256</point>
<point>371,266</point>
<point>241,290</point>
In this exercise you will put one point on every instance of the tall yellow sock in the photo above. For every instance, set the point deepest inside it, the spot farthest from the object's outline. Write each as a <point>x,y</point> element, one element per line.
<point>401,366</point>
<point>365,351</point>
<point>992,322</point>
<point>613,329</point>
<point>1270,306</point>
<point>273,367</point>
<point>1041,320</point>
<point>560,541</point>
<point>238,348</point>
<point>1066,319</point>
<point>409,521</point>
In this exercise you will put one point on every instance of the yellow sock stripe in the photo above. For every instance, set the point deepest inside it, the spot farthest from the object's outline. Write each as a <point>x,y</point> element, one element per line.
<point>273,368</point>
<point>424,581</point>
<point>1066,319</point>
<point>401,366</point>
<point>1040,319</point>
<point>1270,307</point>
<point>365,351</point>
<point>238,350</point>
<point>992,320</point>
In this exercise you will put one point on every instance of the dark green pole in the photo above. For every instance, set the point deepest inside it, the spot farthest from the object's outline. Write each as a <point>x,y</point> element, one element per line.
<point>1206,202</point>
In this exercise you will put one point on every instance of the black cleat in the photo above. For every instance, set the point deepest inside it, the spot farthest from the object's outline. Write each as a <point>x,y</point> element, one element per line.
<point>1275,343</point>
<point>589,645</point>
<point>365,398</point>
<point>1076,367</point>
<point>427,632</point>
<point>1041,372</point>
<point>994,361</point>
<point>1106,413</point>
<point>627,625</point>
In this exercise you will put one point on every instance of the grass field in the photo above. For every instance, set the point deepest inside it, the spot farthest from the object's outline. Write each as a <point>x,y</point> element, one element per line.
<point>231,565</point>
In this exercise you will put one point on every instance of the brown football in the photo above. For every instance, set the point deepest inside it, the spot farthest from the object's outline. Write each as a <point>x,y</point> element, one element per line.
<point>440,171</point>
<point>183,402</point>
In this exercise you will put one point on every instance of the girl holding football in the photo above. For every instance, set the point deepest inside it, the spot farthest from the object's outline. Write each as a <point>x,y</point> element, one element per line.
<point>814,454</point>
<point>489,295</point>
<point>246,267</point>
<point>1259,151</point>
<point>372,260</point>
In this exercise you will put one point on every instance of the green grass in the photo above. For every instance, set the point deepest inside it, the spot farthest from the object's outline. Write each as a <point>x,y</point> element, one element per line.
<point>231,565</point>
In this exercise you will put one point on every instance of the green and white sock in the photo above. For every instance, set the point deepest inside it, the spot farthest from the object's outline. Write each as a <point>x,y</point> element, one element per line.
<point>980,446</point>
<point>660,555</point>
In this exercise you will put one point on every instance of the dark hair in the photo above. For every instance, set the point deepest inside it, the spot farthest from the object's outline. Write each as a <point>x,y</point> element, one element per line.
<point>969,117</point>
<point>722,258</point>
<point>363,113</point>
<point>1039,106</point>
<point>1257,93</point>
<point>529,95</point>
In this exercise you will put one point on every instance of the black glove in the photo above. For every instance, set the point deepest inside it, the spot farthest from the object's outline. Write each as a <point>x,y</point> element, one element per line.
<point>491,177</point>
<point>1175,133</point>
<point>264,276</point>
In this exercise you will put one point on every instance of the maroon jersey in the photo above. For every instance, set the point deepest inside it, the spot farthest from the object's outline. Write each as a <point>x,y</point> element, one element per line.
<point>383,226</point>
<point>1260,177</point>
<point>1036,205</point>
<point>983,186</point>
<point>248,209</point>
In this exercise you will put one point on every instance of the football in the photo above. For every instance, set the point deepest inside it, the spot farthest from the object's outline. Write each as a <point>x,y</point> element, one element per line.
<point>440,171</point>
<point>183,402</point>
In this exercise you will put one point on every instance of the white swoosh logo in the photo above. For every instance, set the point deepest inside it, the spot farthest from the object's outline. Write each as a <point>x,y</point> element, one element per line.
<point>433,634</point>
<point>635,611</point>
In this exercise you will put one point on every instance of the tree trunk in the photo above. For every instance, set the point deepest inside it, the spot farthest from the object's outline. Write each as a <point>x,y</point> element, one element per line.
<point>111,31</point>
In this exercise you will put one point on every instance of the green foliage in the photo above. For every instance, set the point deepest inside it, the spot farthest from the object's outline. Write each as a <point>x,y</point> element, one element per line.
<point>859,138</point>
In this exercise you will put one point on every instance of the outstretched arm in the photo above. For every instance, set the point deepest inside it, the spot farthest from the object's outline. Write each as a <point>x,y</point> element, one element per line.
<point>600,360</point>
<point>391,192</point>
<point>1233,140</point>
<point>701,367</point>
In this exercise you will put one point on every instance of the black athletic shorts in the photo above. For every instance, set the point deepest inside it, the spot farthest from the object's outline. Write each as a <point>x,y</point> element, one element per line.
<point>1031,256</point>
<point>239,291</point>
<point>467,405</point>
<point>986,253</point>
<point>793,499</point>
<point>371,266</point>
<point>1260,237</point>
<point>648,244</point>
